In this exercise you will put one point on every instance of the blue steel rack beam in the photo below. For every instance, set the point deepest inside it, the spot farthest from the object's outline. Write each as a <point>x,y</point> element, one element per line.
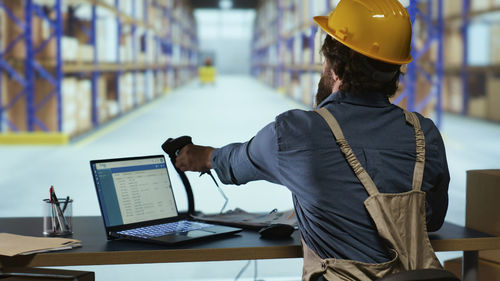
<point>435,34</point>
<point>32,67</point>
<point>11,71</point>
<point>465,59</point>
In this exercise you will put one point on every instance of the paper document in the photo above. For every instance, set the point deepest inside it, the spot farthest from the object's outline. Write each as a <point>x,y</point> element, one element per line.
<point>12,244</point>
<point>243,219</point>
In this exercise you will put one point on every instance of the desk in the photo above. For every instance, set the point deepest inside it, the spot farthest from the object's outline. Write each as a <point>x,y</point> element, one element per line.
<point>246,245</point>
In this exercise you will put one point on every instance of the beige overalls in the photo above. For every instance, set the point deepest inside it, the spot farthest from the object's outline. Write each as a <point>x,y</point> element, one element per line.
<point>399,218</point>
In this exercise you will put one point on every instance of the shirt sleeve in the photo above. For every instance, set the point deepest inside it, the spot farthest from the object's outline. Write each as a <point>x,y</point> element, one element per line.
<point>239,163</point>
<point>437,197</point>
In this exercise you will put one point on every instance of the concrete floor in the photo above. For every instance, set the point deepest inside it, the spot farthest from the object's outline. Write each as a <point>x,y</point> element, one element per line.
<point>233,110</point>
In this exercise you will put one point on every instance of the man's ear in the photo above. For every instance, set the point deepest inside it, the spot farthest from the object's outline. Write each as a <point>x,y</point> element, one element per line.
<point>334,76</point>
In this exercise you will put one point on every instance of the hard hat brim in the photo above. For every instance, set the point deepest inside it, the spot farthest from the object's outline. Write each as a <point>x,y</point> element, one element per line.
<point>322,21</point>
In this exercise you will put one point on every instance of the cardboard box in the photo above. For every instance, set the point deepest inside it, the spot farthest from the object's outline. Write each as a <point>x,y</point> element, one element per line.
<point>451,8</point>
<point>452,94</point>
<point>16,114</point>
<point>495,43</point>
<point>306,85</point>
<point>423,90</point>
<point>493,98</point>
<point>102,92</point>
<point>3,30</point>
<point>84,102</point>
<point>482,208</point>
<point>477,107</point>
<point>481,211</point>
<point>487,271</point>
<point>48,112</point>
<point>480,5</point>
<point>41,31</point>
<point>453,48</point>
<point>69,105</point>
<point>13,30</point>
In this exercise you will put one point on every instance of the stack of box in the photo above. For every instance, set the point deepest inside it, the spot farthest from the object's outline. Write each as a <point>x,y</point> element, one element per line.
<point>451,8</point>
<point>69,106</point>
<point>12,30</point>
<point>84,102</point>
<point>103,89</point>
<point>493,98</point>
<point>452,94</point>
<point>453,47</point>
<point>482,211</point>
<point>495,43</point>
<point>305,87</point>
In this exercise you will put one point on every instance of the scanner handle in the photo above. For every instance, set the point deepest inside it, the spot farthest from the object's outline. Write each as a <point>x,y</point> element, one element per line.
<point>172,147</point>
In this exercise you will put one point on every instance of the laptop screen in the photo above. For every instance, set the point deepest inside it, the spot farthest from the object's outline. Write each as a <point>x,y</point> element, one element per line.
<point>134,190</point>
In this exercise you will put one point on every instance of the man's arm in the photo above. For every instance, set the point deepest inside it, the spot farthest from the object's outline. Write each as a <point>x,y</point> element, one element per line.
<point>236,163</point>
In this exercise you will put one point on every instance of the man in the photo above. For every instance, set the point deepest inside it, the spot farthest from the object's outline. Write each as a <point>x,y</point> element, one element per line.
<point>360,72</point>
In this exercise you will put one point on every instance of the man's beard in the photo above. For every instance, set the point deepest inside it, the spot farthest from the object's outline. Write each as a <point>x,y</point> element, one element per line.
<point>325,86</point>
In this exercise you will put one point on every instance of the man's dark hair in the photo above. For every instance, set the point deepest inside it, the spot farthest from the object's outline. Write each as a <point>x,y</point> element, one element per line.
<point>357,71</point>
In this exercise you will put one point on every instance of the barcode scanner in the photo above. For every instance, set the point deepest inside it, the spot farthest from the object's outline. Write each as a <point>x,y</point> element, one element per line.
<point>172,147</point>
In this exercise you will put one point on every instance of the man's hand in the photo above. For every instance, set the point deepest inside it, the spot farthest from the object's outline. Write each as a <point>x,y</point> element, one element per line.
<point>194,158</point>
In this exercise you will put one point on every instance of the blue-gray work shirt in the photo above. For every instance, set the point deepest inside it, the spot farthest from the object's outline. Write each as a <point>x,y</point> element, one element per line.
<point>299,151</point>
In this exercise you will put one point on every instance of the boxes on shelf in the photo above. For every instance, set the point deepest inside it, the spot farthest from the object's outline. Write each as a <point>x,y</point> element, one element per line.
<point>453,48</point>
<point>451,8</point>
<point>16,114</point>
<point>319,8</point>
<point>493,96</point>
<point>85,53</point>
<point>481,5</point>
<point>13,30</point>
<point>477,107</point>
<point>424,102</point>
<point>70,48</point>
<point>306,86</point>
<point>3,30</point>
<point>84,102</point>
<point>47,113</point>
<point>296,92</point>
<point>319,38</point>
<point>103,89</point>
<point>297,48</point>
<point>140,97</point>
<point>495,43</point>
<point>150,85</point>
<point>69,92</point>
<point>107,40</point>
<point>452,94</point>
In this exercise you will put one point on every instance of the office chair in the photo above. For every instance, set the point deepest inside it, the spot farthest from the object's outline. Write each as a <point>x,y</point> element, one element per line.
<point>421,275</point>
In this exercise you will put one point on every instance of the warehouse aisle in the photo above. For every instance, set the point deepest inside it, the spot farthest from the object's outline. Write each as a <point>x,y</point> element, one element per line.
<point>233,110</point>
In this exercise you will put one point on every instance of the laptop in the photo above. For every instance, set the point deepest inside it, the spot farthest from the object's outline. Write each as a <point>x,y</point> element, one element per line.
<point>137,203</point>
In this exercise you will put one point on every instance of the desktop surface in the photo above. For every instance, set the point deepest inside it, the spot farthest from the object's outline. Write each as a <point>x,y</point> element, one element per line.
<point>97,250</point>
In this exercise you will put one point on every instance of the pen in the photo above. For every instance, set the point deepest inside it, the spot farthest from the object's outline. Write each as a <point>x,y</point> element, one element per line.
<point>65,204</point>
<point>52,214</point>
<point>60,215</point>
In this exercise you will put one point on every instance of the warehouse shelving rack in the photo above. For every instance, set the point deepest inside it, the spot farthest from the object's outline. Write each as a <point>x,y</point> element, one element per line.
<point>24,71</point>
<point>465,70</point>
<point>308,29</point>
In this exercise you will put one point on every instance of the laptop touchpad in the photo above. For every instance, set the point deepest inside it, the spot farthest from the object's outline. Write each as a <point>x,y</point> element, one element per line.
<point>198,233</point>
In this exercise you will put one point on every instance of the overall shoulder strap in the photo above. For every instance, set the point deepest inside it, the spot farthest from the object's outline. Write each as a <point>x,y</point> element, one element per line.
<point>347,151</point>
<point>418,172</point>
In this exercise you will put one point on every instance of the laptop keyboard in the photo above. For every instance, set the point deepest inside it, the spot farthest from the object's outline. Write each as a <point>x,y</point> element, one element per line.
<point>164,229</point>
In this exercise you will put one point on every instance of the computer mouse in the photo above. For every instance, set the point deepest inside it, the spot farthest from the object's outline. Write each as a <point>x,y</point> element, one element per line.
<point>276,230</point>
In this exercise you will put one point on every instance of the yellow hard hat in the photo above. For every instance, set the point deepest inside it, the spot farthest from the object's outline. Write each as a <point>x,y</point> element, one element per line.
<point>379,29</point>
